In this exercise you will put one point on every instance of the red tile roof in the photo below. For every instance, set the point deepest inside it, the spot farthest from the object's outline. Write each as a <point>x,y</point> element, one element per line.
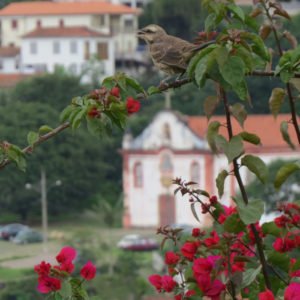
<point>265,126</point>
<point>9,51</point>
<point>74,31</point>
<point>64,8</point>
<point>10,80</point>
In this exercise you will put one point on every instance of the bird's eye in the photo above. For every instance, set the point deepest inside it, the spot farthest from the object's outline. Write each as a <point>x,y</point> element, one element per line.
<point>149,31</point>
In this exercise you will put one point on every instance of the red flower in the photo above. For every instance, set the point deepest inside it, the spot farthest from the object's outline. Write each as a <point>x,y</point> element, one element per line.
<point>266,295</point>
<point>171,258</point>
<point>213,240</point>
<point>281,221</point>
<point>66,267</point>
<point>188,293</point>
<point>48,284</point>
<point>212,289</point>
<point>88,271</point>
<point>203,266</point>
<point>132,105</point>
<point>155,280</point>
<point>94,112</point>
<point>115,91</point>
<point>196,232</point>
<point>228,211</point>
<point>292,292</point>
<point>284,244</point>
<point>189,250</point>
<point>213,200</point>
<point>168,283</point>
<point>42,269</point>
<point>66,255</point>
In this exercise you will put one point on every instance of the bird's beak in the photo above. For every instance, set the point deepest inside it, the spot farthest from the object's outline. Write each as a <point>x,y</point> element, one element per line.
<point>140,33</point>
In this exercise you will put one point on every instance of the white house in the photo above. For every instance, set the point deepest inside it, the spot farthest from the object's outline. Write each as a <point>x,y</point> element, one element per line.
<point>44,49</point>
<point>9,60</point>
<point>119,21</point>
<point>175,146</point>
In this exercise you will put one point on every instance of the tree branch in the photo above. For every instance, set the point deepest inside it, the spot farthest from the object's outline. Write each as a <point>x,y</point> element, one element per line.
<point>237,174</point>
<point>42,139</point>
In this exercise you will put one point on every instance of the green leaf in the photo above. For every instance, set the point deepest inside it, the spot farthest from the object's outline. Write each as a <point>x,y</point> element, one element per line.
<point>234,149</point>
<point>221,143</point>
<point>109,82</point>
<point>280,260</point>
<point>194,212</point>
<point>285,134</point>
<point>58,296</point>
<point>15,154</point>
<point>284,172</point>
<point>220,180</point>
<point>65,114</point>
<point>276,100</point>
<point>45,129</point>
<point>153,90</point>
<point>241,89</point>
<point>210,22</point>
<point>210,104</point>
<point>234,224</point>
<point>135,85</point>
<point>237,11</point>
<point>233,70</point>
<point>212,131</point>
<point>271,228</point>
<point>200,71</point>
<point>76,121</point>
<point>239,113</point>
<point>32,138</point>
<point>256,166</point>
<point>249,276</point>
<point>250,137</point>
<point>250,213</point>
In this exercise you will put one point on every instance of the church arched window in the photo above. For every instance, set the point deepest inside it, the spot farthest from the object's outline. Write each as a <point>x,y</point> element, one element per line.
<point>138,174</point>
<point>166,165</point>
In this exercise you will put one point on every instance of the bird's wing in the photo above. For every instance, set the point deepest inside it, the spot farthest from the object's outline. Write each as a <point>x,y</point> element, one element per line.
<point>168,54</point>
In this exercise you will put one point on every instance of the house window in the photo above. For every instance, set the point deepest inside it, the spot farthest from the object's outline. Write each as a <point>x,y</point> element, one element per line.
<point>33,48</point>
<point>102,50</point>
<point>56,47</point>
<point>61,23</point>
<point>138,174</point>
<point>14,24</point>
<point>87,51</point>
<point>166,165</point>
<point>128,26</point>
<point>73,47</point>
<point>38,23</point>
<point>195,172</point>
<point>102,20</point>
<point>1,64</point>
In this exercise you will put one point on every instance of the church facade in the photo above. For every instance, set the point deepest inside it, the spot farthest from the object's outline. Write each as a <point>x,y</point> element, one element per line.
<point>173,146</point>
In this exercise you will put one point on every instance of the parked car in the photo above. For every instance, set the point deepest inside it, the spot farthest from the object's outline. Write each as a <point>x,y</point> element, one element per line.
<point>27,236</point>
<point>136,242</point>
<point>11,230</point>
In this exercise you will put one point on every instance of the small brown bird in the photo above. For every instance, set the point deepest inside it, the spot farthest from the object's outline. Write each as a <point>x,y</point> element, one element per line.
<point>169,54</point>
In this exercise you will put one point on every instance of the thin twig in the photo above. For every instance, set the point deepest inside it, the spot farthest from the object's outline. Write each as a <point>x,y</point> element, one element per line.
<point>42,139</point>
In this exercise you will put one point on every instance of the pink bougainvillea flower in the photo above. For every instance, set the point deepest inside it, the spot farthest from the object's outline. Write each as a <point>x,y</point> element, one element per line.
<point>213,240</point>
<point>188,293</point>
<point>88,271</point>
<point>115,91</point>
<point>266,295</point>
<point>42,269</point>
<point>212,289</point>
<point>227,211</point>
<point>292,292</point>
<point>281,221</point>
<point>155,280</point>
<point>284,244</point>
<point>189,250</point>
<point>66,267</point>
<point>168,283</point>
<point>48,284</point>
<point>196,232</point>
<point>203,266</point>
<point>132,105</point>
<point>171,258</point>
<point>67,254</point>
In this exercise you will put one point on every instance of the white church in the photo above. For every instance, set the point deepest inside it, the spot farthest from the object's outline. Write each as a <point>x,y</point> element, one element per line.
<point>173,145</point>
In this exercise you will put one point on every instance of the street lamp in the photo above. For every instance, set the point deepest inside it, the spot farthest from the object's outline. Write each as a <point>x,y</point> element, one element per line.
<point>41,188</point>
